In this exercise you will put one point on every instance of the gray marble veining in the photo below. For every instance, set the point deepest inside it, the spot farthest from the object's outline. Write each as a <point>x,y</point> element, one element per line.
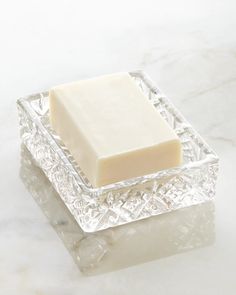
<point>189,49</point>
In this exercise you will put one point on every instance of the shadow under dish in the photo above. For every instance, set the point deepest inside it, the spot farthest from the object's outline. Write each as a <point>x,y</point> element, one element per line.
<point>116,248</point>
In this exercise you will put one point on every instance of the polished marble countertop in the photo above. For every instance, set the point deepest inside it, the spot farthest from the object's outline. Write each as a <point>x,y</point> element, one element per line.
<point>189,50</point>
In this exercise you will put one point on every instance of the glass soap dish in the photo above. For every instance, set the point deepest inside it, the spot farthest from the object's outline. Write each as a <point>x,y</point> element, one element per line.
<point>95,209</point>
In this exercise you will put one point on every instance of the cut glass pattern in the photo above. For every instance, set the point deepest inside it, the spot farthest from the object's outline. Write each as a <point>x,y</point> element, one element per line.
<point>98,208</point>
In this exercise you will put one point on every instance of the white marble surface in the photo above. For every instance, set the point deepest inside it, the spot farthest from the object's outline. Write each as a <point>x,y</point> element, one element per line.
<point>189,49</point>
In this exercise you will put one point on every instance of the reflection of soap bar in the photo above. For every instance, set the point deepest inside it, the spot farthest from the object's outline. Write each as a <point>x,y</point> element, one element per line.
<point>111,129</point>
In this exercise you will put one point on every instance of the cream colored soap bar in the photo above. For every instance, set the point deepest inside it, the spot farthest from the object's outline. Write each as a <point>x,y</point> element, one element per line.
<point>111,129</point>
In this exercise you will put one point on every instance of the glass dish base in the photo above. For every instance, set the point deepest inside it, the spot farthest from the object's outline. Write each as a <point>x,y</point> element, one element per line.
<point>95,209</point>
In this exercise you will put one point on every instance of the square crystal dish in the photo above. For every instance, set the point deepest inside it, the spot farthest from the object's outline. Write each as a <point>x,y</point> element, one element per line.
<point>95,209</point>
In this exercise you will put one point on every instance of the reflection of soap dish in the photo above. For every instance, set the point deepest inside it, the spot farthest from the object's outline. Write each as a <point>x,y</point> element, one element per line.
<point>115,248</point>
<point>125,201</point>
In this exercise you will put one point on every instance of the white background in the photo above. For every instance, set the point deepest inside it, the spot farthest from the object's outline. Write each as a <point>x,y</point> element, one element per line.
<point>189,49</point>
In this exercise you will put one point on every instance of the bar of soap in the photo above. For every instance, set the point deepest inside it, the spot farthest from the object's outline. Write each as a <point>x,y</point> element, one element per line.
<point>111,129</point>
